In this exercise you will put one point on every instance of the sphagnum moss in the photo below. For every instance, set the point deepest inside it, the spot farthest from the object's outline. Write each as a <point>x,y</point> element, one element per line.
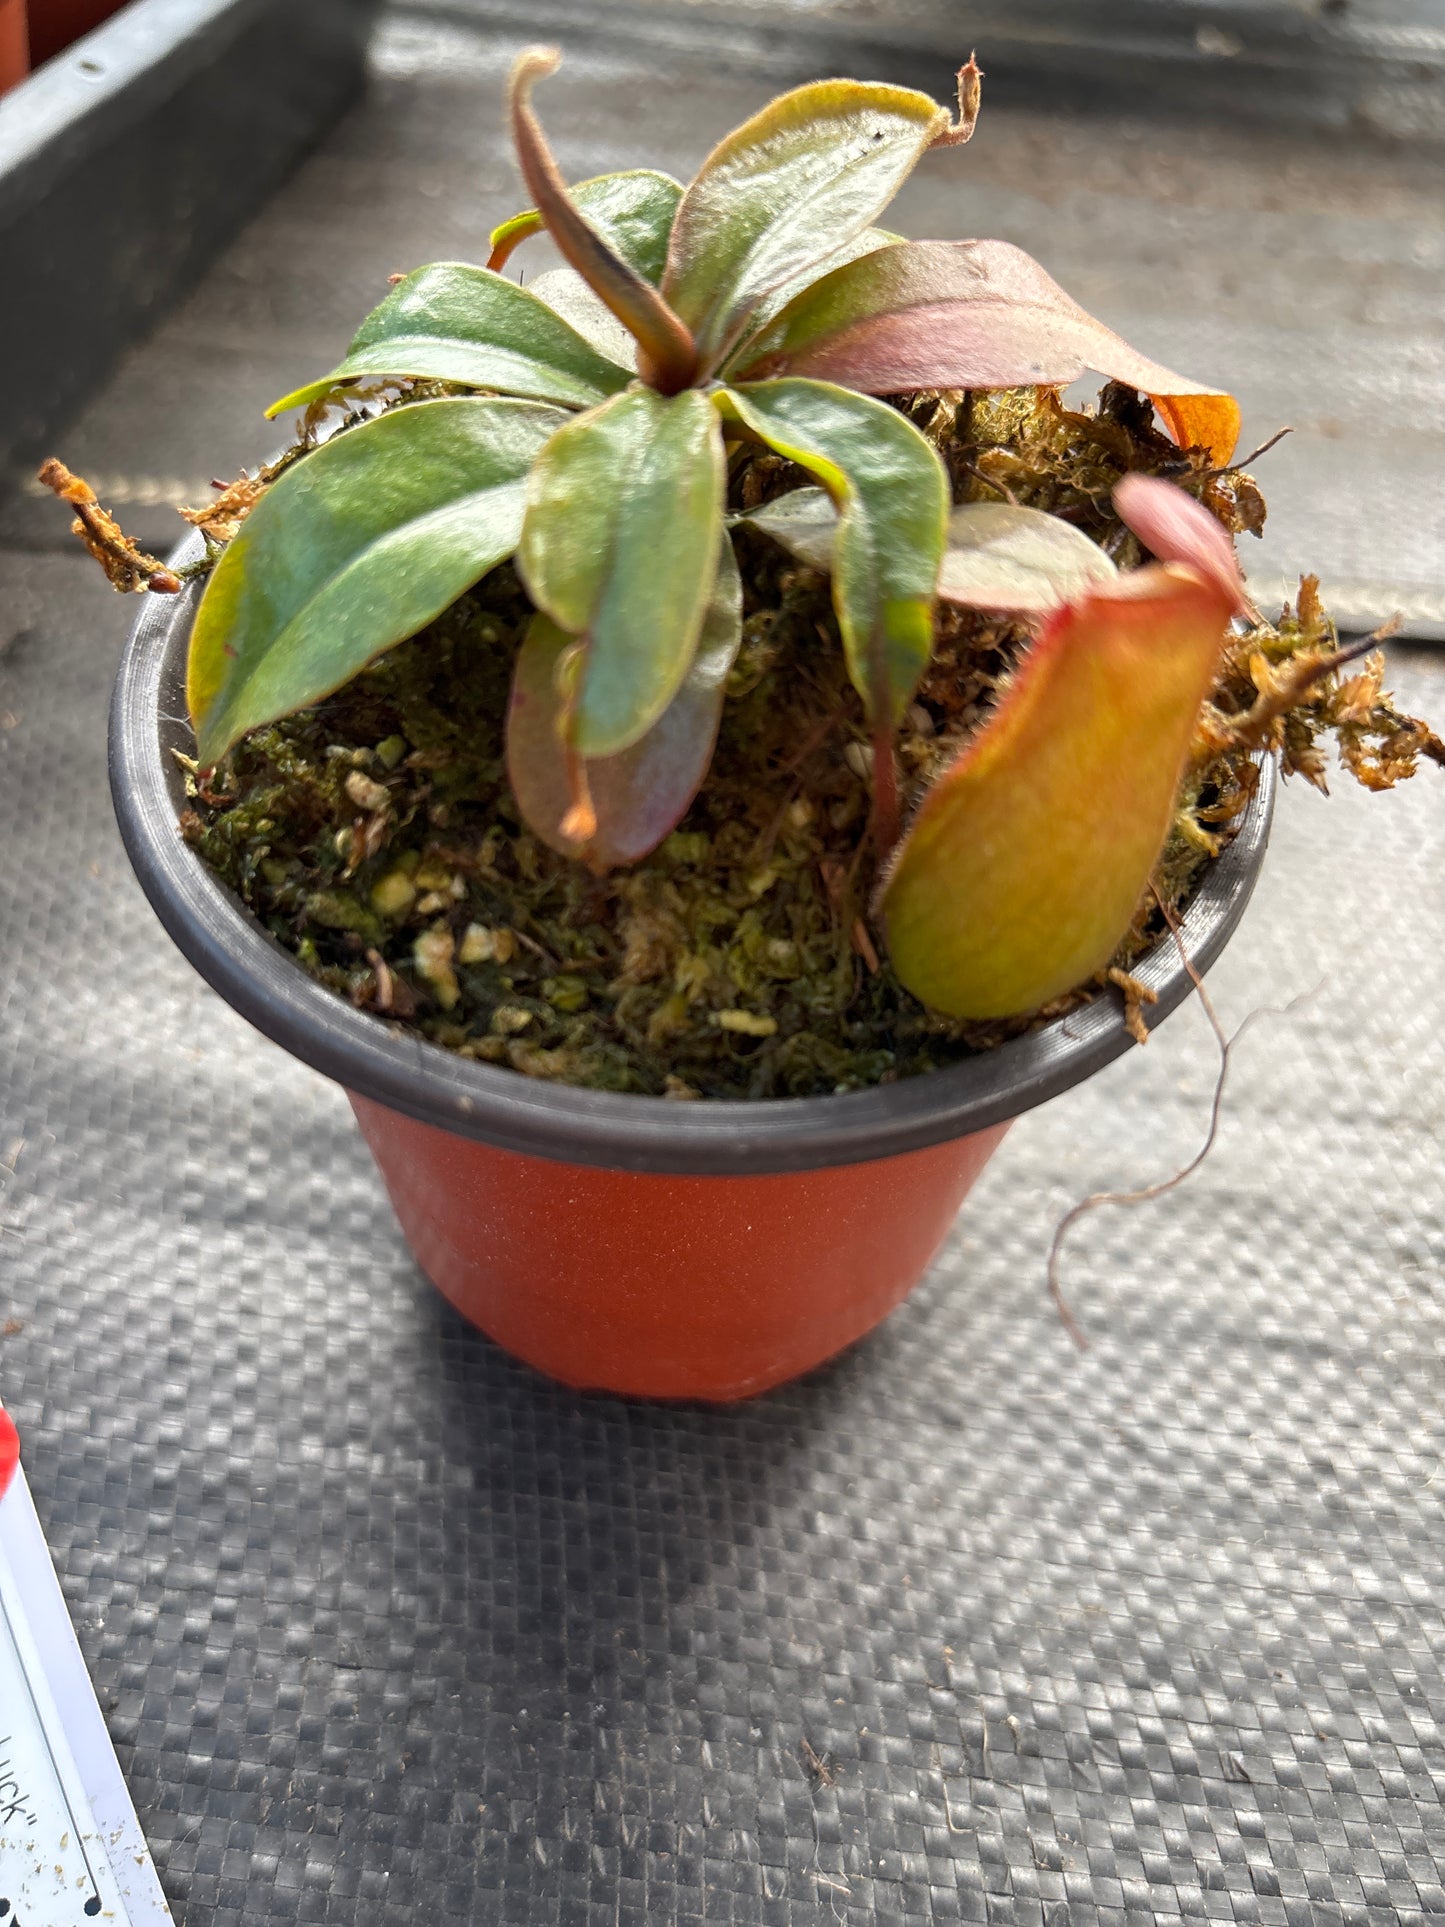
<point>376,836</point>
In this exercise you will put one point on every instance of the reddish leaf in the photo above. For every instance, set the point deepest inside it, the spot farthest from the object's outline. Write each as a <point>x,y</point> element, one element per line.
<point>1027,858</point>
<point>1176,528</point>
<point>968,314</point>
<point>641,794</point>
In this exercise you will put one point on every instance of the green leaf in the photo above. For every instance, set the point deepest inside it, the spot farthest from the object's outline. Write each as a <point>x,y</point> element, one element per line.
<point>968,314</point>
<point>641,794</point>
<point>631,212</point>
<point>357,547</point>
<point>620,546</point>
<point>998,556</point>
<point>1028,857</point>
<point>567,294</point>
<point>451,322</point>
<point>784,192</point>
<point>892,495</point>
<point>1018,559</point>
<point>804,522</point>
<point>772,305</point>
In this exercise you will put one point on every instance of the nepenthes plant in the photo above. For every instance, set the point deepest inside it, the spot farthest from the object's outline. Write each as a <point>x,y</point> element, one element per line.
<point>741,388</point>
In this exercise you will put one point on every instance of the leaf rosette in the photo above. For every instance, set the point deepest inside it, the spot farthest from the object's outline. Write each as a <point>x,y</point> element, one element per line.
<point>587,426</point>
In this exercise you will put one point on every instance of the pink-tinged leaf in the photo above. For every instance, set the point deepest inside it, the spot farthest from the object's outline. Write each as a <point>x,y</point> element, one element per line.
<point>1028,857</point>
<point>1176,528</point>
<point>773,303</point>
<point>1018,560</point>
<point>643,793</point>
<point>1013,560</point>
<point>969,314</point>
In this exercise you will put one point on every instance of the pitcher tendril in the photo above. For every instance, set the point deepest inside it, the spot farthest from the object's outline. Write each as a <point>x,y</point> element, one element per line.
<point>970,99</point>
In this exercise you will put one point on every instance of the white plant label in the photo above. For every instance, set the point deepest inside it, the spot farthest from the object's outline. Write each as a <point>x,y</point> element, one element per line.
<point>72,1853</point>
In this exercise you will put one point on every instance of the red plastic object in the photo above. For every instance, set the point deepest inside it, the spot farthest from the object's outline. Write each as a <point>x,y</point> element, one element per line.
<point>9,1450</point>
<point>14,44</point>
<point>55,24</point>
<point>668,1287</point>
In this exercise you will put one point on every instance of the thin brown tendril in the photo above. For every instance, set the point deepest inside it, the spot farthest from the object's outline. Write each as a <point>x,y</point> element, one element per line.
<point>1150,1191</point>
<point>970,95</point>
<point>1244,461</point>
<point>989,481</point>
<point>127,566</point>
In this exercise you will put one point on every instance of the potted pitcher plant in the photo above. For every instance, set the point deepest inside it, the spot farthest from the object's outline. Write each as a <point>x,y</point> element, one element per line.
<point>697,741</point>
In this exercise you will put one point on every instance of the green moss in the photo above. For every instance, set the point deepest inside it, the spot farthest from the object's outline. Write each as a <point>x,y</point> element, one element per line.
<point>726,963</point>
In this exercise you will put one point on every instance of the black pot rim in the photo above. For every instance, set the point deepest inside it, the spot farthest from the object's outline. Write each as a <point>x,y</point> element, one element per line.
<point>711,1137</point>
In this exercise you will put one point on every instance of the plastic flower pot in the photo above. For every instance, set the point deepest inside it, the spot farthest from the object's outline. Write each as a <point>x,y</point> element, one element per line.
<point>703,1250</point>
<point>14,44</point>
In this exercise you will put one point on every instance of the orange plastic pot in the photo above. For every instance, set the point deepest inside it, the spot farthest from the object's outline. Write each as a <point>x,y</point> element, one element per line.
<point>14,44</point>
<point>703,1250</point>
<point>661,1286</point>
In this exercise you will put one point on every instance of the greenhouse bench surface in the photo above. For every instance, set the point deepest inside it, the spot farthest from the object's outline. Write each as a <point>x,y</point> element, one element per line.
<point>971,1625</point>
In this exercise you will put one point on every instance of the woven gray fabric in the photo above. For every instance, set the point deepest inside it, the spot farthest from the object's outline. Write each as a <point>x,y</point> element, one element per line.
<point>389,1631</point>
